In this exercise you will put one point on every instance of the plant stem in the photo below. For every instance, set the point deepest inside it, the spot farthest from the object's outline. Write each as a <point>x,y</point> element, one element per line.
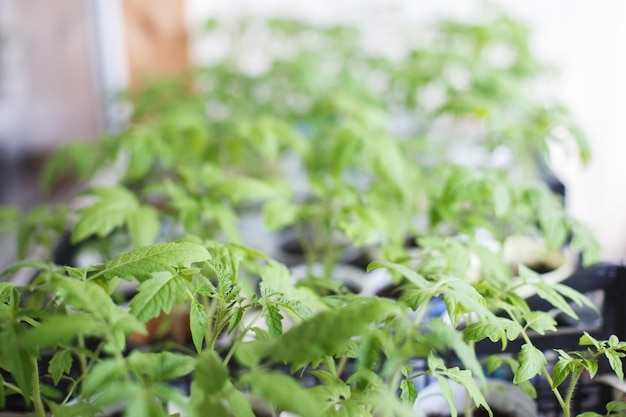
<point>570,391</point>
<point>81,356</point>
<point>342,364</point>
<point>36,390</point>
<point>13,388</point>
<point>239,339</point>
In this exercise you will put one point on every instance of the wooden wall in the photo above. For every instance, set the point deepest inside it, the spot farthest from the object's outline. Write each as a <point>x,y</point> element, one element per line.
<point>157,39</point>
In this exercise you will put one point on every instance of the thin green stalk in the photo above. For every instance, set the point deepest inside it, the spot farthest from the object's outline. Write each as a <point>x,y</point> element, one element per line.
<point>342,364</point>
<point>84,371</point>
<point>239,339</point>
<point>570,391</point>
<point>81,356</point>
<point>13,388</point>
<point>469,409</point>
<point>37,390</point>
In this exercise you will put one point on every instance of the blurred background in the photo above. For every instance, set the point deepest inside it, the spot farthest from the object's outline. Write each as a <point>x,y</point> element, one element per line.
<point>64,63</point>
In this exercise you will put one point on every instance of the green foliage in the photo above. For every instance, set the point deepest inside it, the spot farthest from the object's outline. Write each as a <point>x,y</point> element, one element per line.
<point>313,145</point>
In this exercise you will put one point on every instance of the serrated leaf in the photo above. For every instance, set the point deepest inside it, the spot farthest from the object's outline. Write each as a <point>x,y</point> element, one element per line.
<point>406,272</point>
<point>143,226</point>
<point>551,294</point>
<point>446,391</point>
<point>500,329</point>
<point>450,337</point>
<point>101,374</point>
<point>577,297</point>
<point>88,296</point>
<point>587,340</point>
<point>57,330</point>
<point>239,403</point>
<point>161,366</point>
<point>60,364</point>
<point>540,322</point>
<point>592,367</point>
<point>283,393</point>
<point>140,263</point>
<point>158,293</point>
<point>408,393</point>
<point>144,404</point>
<point>211,375</point>
<point>467,380</point>
<point>198,322</point>
<point>108,213</point>
<point>528,388</point>
<point>329,331</point>
<point>235,318</point>
<point>273,319</point>
<point>21,265</point>
<point>531,362</point>
<point>615,360</point>
<point>561,371</point>
<point>18,362</point>
<point>73,410</point>
<point>335,386</point>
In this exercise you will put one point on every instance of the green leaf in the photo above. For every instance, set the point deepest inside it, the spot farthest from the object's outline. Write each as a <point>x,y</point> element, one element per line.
<point>615,360</point>
<point>466,379</point>
<point>335,388</point>
<point>73,410</point>
<point>446,391</point>
<point>493,330</point>
<point>239,403</point>
<point>540,322</point>
<point>250,354</point>
<point>143,403</point>
<point>140,263</point>
<point>143,226</point>
<point>590,414</point>
<point>235,318</point>
<point>587,340</point>
<point>19,362</point>
<point>162,366</point>
<point>408,392</point>
<point>273,318</point>
<point>158,293</point>
<point>22,265</point>
<point>330,331</point>
<point>60,364</point>
<point>615,406</point>
<point>531,362</point>
<point>409,274</point>
<point>561,371</point>
<point>283,393</point>
<point>198,322</point>
<point>279,213</point>
<point>493,363</point>
<point>57,330</point>
<point>211,376</point>
<point>101,375</point>
<point>108,213</point>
